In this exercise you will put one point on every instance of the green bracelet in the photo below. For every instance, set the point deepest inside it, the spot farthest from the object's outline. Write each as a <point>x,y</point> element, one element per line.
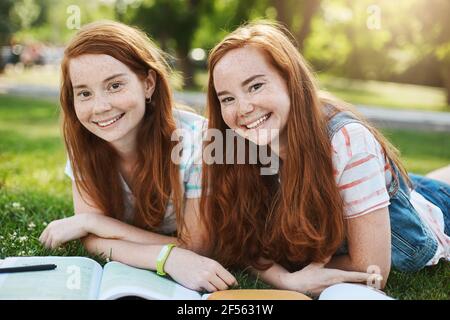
<point>162,257</point>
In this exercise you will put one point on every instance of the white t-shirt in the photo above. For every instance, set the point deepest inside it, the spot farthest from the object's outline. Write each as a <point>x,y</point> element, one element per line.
<point>363,178</point>
<point>191,126</point>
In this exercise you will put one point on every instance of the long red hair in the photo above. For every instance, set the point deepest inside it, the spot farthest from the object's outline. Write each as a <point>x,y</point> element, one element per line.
<point>247,215</point>
<point>94,161</point>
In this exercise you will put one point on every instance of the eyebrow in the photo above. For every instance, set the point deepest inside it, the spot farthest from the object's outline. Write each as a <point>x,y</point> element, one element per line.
<point>106,80</point>
<point>243,84</point>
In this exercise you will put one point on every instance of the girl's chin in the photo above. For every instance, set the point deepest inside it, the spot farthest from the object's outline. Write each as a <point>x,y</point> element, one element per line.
<point>259,142</point>
<point>111,137</point>
<point>262,138</point>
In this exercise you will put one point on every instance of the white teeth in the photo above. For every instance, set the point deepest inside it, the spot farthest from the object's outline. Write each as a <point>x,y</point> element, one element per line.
<point>107,123</point>
<point>258,122</point>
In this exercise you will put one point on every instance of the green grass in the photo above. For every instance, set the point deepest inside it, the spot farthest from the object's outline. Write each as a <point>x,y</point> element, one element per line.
<point>386,94</point>
<point>34,190</point>
<point>421,152</point>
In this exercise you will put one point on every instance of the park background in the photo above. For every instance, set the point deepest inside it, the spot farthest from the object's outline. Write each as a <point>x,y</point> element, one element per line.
<point>389,58</point>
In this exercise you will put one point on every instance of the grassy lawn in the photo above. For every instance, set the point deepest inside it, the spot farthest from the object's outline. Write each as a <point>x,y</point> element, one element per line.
<point>386,94</point>
<point>34,190</point>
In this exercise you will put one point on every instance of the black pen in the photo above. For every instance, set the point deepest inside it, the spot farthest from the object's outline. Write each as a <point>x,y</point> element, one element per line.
<point>40,267</point>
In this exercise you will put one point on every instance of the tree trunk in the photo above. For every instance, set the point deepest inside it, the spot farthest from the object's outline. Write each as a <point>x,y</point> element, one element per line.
<point>186,68</point>
<point>445,74</point>
<point>309,9</point>
<point>2,67</point>
<point>447,87</point>
<point>284,15</point>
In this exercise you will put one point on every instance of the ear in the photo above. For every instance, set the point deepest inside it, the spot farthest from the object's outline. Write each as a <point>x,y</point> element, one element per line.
<point>150,83</point>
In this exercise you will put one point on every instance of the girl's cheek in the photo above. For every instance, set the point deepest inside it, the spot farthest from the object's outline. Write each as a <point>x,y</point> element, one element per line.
<point>124,100</point>
<point>229,116</point>
<point>119,97</point>
<point>83,112</point>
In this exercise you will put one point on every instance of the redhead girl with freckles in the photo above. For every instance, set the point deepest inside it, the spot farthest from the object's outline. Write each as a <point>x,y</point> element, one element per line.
<point>341,205</point>
<point>130,199</point>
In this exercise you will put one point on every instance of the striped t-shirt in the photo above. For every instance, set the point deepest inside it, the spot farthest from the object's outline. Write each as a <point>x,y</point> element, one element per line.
<point>363,177</point>
<point>191,126</point>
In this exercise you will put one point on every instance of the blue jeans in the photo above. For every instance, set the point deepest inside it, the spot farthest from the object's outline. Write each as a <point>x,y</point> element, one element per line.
<point>413,243</point>
<point>437,192</point>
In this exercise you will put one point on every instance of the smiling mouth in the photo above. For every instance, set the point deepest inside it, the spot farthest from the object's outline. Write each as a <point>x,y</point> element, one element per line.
<point>259,122</point>
<point>106,123</point>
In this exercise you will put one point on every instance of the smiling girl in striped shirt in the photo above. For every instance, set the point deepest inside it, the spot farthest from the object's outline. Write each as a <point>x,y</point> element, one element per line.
<point>342,198</point>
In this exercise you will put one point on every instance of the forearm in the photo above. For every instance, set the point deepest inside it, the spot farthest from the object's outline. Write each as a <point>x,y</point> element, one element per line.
<point>273,276</point>
<point>134,254</point>
<point>110,228</point>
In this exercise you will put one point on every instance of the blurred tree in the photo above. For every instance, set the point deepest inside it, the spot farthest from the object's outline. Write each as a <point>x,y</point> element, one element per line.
<point>434,39</point>
<point>403,40</point>
<point>173,23</point>
<point>181,25</point>
<point>25,13</point>
<point>6,26</point>
<point>224,17</point>
<point>51,25</point>
<point>297,16</point>
<point>406,40</point>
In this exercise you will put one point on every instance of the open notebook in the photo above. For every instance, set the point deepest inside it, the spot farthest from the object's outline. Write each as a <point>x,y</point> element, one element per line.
<point>80,278</point>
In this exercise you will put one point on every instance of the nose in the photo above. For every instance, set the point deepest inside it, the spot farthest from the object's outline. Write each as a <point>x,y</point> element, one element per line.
<point>245,107</point>
<point>101,104</point>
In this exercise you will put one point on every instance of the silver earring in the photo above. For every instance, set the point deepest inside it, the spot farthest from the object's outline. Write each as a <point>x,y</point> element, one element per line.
<point>148,100</point>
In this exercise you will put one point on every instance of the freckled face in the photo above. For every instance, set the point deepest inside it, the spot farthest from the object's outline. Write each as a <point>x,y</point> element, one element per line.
<point>109,98</point>
<point>253,96</point>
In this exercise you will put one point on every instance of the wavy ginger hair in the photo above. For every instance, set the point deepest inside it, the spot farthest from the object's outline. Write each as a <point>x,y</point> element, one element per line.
<point>299,220</point>
<point>94,161</point>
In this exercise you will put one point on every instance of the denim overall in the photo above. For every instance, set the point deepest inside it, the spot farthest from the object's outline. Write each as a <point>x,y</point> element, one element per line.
<point>412,243</point>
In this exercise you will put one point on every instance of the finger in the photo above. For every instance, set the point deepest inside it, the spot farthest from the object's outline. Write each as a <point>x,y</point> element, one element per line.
<point>218,283</point>
<point>209,286</point>
<point>45,242</point>
<point>226,276</point>
<point>48,242</point>
<point>348,276</point>
<point>54,244</point>
<point>43,235</point>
